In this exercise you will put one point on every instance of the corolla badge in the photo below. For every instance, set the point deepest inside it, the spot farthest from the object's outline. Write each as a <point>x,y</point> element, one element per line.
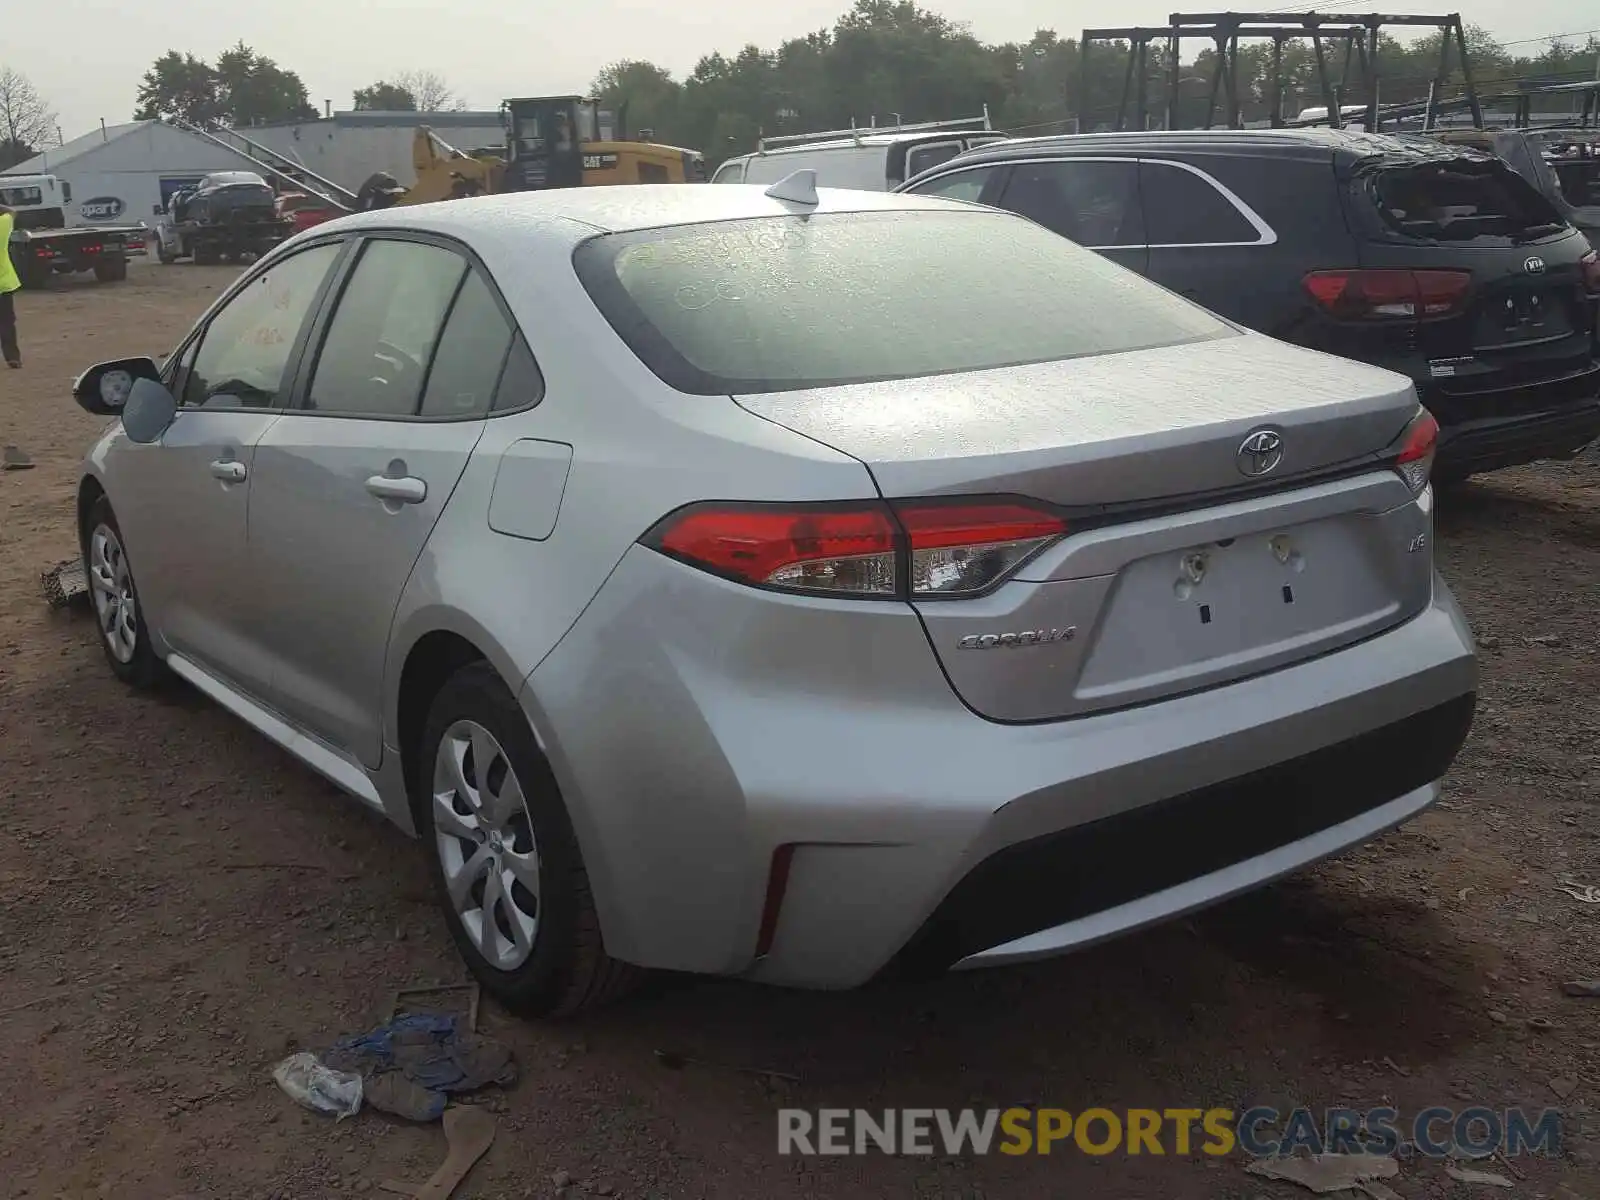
<point>1260,453</point>
<point>1028,637</point>
<point>1533,265</point>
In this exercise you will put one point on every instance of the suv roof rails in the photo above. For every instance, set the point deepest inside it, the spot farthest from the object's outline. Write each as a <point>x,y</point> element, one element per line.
<point>973,124</point>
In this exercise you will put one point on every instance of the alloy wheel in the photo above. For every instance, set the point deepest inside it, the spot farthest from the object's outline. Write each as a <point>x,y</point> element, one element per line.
<point>486,846</point>
<point>115,602</point>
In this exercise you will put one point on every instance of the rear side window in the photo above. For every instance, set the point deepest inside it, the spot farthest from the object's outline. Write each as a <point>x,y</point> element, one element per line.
<point>1182,208</point>
<point>1095,203</point>
<point>376,352</point>
<point>466,366</point>
<point>778,303</point>
<point>1461,201</point>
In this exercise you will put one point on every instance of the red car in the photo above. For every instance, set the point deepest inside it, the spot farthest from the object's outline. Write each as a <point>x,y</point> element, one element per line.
<point>304,210</point>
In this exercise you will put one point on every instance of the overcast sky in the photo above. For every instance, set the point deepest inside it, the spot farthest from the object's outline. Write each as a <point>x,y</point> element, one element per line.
<point>86,56</point>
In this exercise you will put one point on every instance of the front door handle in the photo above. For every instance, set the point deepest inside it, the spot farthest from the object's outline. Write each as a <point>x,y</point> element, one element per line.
<point>229,470</point>
<point>405,489</point>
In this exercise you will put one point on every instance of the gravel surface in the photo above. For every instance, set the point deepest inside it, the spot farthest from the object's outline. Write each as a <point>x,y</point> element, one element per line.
<point>182,905</point>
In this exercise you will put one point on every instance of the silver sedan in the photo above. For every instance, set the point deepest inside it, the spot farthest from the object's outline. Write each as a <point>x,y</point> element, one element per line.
<point>808,586</point>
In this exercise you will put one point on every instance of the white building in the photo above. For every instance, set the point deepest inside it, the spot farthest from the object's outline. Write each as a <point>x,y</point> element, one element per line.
<point>122,174</point>
<point>351,147</point>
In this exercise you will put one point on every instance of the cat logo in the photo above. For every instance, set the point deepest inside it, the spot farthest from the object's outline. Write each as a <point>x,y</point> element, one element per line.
<point>599,162</point>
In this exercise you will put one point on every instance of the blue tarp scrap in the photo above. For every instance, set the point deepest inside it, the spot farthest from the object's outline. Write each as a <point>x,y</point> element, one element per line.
<point>410,1066</point>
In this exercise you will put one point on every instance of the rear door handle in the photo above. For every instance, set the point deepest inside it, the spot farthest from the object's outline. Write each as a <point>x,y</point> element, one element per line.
<point>403,490</point>
<point>229,470</point>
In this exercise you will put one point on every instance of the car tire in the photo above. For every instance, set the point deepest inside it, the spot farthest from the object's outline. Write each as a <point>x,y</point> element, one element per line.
<point>499,827</point>
<point>112,594</point>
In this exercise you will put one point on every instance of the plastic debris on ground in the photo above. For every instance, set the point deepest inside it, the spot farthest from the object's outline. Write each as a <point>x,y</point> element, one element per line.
<point>412,1065</point>
<point>65,583</point>
<point>312,1085</point>
<point>1322,1173</point>
<point>1486,1178</point>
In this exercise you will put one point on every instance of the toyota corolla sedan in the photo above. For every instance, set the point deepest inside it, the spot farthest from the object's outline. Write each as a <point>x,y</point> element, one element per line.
<point>801,585</point>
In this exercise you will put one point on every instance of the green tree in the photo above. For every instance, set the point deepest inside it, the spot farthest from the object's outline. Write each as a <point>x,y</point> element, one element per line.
<point>252,88</point>
<point>384,97</point>
<point>179,85</point>
<point>243,88</point>
<point>651,94</point>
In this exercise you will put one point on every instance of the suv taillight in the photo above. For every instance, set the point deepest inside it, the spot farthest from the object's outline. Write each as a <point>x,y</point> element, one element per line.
<point>1591,272</point>
<point>1382,295</point>
<point>1417,444</point>
<point>910,549</point>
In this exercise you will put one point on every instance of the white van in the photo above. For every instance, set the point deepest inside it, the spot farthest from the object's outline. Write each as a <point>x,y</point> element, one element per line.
<point>874,159</point>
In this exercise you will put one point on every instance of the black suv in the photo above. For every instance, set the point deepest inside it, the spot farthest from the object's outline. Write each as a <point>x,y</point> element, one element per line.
<point>1436,261</point>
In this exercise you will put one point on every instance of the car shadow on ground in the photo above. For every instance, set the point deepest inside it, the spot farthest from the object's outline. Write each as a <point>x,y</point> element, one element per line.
<point>1486,506</point>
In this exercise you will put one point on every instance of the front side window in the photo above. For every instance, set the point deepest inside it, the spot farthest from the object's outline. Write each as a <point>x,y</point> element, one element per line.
<point>375,355</point>
<point>958,185</point>
<point>1182,208</point>
<point>244,353</point>
<point>730,172</point>
<point>1093,203</point>
<point>778,303</point>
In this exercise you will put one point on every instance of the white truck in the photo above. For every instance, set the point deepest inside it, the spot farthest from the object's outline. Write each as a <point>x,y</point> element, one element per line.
<point>42,244</point>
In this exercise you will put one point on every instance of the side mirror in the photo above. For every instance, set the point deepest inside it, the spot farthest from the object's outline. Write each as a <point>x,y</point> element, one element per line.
<point>148,411</point>
<point>156,209</point>
<point>104,388</point>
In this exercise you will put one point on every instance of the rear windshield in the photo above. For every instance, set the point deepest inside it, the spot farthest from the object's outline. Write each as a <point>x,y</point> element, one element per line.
<point>778,303</point>
<point>1463,201</point>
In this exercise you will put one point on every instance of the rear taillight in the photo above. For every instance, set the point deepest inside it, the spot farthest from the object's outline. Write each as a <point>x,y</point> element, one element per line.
<point>910,550</point>
<point>1417,444</point>
<point>1385,295</point>
<point>1591,272</point>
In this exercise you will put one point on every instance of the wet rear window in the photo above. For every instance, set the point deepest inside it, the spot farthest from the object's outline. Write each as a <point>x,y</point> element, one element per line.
<point>779,303</point>
<point>1463,201</point>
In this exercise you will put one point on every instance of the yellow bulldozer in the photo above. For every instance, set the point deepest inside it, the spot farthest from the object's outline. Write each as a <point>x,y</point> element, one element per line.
<point>551,142</point>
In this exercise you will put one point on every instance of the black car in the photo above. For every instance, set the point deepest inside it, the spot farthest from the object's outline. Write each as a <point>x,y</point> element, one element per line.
<point>1436,261</point>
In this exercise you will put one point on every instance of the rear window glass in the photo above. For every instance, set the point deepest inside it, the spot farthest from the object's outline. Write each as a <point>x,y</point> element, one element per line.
<point>779,303</point>
<point>1463,201</point>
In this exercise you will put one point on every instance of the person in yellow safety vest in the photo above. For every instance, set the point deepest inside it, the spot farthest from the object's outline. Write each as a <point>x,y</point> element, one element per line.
<point>9,284</point>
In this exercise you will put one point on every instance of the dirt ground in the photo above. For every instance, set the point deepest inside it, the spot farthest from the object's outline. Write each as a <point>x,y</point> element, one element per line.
<point>181,905</point>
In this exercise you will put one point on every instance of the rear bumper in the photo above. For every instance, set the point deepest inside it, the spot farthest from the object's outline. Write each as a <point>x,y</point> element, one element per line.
<point>692,742</point>
<point>1088,882</point>
<point>1488,431</point>
<point>1492,443</point>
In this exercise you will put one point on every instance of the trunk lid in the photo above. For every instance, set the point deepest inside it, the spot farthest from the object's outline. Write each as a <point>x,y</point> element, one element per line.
<point>1107,430</point>
<point>1178,570</point>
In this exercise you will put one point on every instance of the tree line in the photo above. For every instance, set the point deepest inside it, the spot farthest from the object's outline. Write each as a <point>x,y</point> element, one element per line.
<point>893,59</point>
<point>245,88</point>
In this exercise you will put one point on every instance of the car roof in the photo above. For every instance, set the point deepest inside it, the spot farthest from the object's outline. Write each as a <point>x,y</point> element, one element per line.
<point>1314,142</point>
<point>578,213</point>
<point>875,139</point>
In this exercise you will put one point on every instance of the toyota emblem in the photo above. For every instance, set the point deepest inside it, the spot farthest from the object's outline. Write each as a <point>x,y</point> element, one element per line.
<point>1534,265</point>
<point>1260,453</point>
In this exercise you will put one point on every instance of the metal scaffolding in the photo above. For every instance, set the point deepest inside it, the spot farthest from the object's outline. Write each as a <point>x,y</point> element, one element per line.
<point>1359,35</point>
